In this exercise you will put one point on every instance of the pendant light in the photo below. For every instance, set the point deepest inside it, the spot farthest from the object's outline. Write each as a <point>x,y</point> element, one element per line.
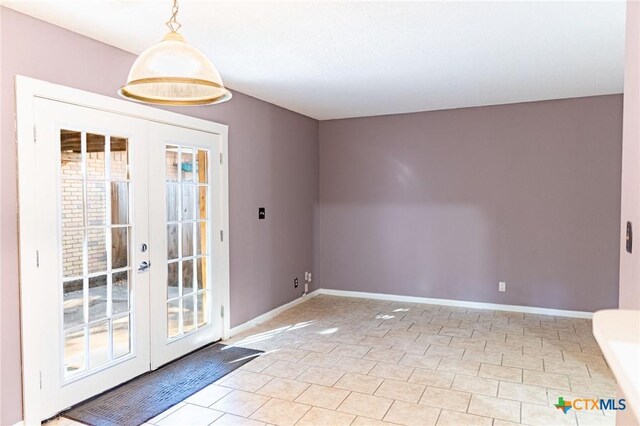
<point>173,72</point>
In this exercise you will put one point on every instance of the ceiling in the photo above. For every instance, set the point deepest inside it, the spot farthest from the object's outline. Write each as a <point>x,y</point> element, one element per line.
<point>358,58</point>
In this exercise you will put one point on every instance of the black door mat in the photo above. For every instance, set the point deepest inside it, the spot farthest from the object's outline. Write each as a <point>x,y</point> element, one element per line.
<point>146,396</point>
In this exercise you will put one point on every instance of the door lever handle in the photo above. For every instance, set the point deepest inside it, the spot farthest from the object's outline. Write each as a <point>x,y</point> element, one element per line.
<point>144,266</point>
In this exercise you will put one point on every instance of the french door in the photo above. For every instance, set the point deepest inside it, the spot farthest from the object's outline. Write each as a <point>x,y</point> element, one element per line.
<point>181,167</point>
<point>91,185</point>
<point>128,271</point>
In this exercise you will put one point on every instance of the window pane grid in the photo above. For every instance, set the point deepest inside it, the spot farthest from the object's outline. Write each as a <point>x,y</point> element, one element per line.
<point>188,295</point>
<point>177,222</point>
<point>194,257</point>
<point>89,227</point>
<point>114,317</point>
<point>95,274</point>
<point>195,304</point>
<point>187,185</point>
<point>96,245</point>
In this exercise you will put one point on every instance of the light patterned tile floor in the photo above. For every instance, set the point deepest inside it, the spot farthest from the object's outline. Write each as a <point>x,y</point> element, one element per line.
<point>345,361</point>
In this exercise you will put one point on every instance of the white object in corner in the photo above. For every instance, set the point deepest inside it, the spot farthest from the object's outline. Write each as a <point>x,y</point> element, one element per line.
<point>268,315</point>
<point>461,303</point>
<point>618,334</point>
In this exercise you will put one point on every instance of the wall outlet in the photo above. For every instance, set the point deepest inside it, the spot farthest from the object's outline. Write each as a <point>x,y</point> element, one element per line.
<point>295,282</point>
<point>502,286</point>
<point>306,276</point>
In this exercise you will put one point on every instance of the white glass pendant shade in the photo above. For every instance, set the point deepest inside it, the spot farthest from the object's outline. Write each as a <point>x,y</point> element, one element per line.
<point>173,72</point>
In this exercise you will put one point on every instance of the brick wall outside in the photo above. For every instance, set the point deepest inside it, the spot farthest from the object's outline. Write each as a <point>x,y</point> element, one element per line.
<point>72,208</point>
<point>72,211</point>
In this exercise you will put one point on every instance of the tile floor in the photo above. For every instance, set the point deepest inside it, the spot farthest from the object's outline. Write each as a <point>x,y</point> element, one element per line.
<point>344,361</point>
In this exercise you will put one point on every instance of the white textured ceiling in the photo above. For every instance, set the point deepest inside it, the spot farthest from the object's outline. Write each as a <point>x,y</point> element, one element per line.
<point>348,59</point>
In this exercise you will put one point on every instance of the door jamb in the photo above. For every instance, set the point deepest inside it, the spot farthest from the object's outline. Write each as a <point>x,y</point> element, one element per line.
<point>27,90</point>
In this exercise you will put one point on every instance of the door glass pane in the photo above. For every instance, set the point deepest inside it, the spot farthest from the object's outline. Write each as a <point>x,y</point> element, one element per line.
<point>74,351</point>
<point>119,159</point>
<point>201,238</point>
<point>187,239</point>
<point>202,312</point>
<point>173,202</point>
<point>121,337</point>
<point>201,276</point>
<point>188,314</point>
<point>187,165</point>
<point>202,166</point>
<point>72,253</point>
<point>72,203</point>
<point>95,156</point>
<point>187,198</point>
<point>188,193</point>
<point>94,196</point>
<point>172,241</point>
<point>71,154</point>
<point>73,302</point>
<point>97,297</point>
<point>187,276</point>
<point>120,292</point>
<point>119,248</point>
<point>202,202</point>
<point>97,250</point>
<point>173,317</point>
<point>171,163</point>
<point>96,203</point>
<point>173,288</point>
<point>119,203</point>
<point>99,344</point>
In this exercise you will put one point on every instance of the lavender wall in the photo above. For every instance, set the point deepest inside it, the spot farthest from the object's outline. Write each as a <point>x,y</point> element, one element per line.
<point>630,263</point>
<point>273,160</point>
<point>439,204</point>
<point>445,204</point>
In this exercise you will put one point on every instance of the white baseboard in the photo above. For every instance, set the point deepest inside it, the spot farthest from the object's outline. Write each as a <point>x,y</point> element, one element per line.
<point>271,314</point>
<point>461,303</point>
<point>410,299</point>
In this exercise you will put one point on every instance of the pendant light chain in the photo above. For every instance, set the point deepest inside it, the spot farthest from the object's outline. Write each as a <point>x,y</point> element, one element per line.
<point>172,23</point>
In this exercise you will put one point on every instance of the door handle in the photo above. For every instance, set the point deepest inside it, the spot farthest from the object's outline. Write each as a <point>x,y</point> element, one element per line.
<point>144,266</point>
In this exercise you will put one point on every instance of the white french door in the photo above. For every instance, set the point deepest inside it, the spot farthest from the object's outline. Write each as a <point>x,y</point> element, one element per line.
<point>184,189</point>
<point>91,185</point>
<point>126,219</point>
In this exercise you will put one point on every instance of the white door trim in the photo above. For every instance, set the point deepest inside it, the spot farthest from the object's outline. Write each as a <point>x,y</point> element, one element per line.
<point>27,89</point>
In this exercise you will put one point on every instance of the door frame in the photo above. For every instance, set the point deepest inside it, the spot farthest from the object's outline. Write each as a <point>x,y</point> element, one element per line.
<point>27,90</point>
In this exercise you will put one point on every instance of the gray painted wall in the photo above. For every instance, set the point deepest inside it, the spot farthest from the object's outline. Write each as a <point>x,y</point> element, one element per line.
<point>273,163</point>
<point>445,204</point>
